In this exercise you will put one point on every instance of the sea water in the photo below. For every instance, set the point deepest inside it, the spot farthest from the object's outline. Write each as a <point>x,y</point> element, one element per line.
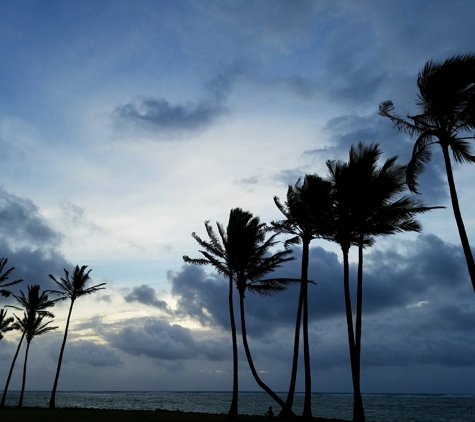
<point>378,407</point>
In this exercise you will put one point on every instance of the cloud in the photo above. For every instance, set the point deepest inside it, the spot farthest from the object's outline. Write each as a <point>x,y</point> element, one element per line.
<point>146,295</point>
<point>29,243</point>
<point>89,353</point>
<point>76,216</point>
<point>22,225</point>
<point>289,177</point>
<point>171,121</point>
<point>168,120</point>
<point>158,339</point>
<point>200,295</point>
<point>248,184</point>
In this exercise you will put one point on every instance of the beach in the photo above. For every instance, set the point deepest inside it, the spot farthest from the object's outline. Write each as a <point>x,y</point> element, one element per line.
<point>13,414</point>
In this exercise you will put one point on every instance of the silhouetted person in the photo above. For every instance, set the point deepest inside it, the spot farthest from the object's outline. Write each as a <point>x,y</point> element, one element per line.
<point>269,413</point>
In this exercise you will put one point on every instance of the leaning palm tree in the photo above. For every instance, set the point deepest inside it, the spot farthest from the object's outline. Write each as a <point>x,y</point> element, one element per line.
<point>368,202</point>
<point>4,277</point>
<point>446,102</point>
<point>306,210</point>
<point>252,262</point>
<point>70,288</point>
<point>33,303</point>
<point>241,254</point>
<point>6,324</point>
<point>32,326</point>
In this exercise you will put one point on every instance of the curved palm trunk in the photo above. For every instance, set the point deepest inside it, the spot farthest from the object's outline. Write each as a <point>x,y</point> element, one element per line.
<point>2,404</point>
<point>52,402</point>
<point>233,410</point>
<point>358,409</point>
<point>20,402</point>
<point>307,407</point>
<point>458,216</point>
<point>261,384</point>
<point>287,410</point>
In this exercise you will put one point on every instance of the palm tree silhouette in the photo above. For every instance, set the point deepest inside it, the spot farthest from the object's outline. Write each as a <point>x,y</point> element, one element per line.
<point>32,326</point>
<point>5,323</point>
<point>217,253</point>
<point>446,102</point>
<point>4,277</point>
<point>307,210</point>
<point>241,254</point>
<point>367,203</point>
<point>70,288</point>
<point>32,304</point>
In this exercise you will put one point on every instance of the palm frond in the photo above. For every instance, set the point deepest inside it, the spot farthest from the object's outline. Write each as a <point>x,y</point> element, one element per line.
<point>421,155</point>
<point>462,151</point>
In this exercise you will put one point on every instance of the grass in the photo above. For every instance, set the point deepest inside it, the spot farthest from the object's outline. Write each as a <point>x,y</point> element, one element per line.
<point>36,414</point>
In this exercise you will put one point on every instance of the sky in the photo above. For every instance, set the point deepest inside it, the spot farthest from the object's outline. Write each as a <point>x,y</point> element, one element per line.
<point>125,125</point>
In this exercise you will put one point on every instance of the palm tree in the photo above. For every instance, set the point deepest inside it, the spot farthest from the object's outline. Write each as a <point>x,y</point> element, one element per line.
<point>367,203</point>
<point>5,323</point>
<point>217,253</point>
<point>306,210</point>
<point>241,254</point>
<point>32,326</point>
<point>446,102</point>
<point>32,304</point>
<point>252,262</point>
<point>70,287</point>
<point>4,277</point>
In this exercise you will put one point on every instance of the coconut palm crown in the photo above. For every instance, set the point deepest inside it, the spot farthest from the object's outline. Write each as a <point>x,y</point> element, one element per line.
<point>4,277</point>
<point>446,117</point>
<point>5,323</point>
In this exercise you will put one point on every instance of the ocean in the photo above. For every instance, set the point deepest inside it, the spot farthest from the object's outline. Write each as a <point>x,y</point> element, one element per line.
<point>378,407</point>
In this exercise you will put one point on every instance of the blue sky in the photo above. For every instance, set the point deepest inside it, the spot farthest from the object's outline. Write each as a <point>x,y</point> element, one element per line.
<point>125,125</point>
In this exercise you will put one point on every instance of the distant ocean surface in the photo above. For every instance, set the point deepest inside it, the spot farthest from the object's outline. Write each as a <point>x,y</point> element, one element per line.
<point>378,407</point>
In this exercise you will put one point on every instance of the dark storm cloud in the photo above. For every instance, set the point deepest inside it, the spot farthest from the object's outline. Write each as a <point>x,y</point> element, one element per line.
<point>426,273</point>
<point>22,225</point>
<point>89,353</point>
<point>201,295</point>
<point>429,267</point>
<point>161,340</point>
<point>169,121</point>
<point>29,243</point>
<point>146,295</point>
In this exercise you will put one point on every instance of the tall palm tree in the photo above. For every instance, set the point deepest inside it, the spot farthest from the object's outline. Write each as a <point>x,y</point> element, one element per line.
<point>217,252</point>
<point>33,303</point>
<point>5,323</point>
<point>252,262</point>
<point>71,288</point>
<point>367,203</point>
<point>446,102</point>
<point>241,254</point>
<point>32,326</point>
<point>4,277</point>
<point>306,210</point>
